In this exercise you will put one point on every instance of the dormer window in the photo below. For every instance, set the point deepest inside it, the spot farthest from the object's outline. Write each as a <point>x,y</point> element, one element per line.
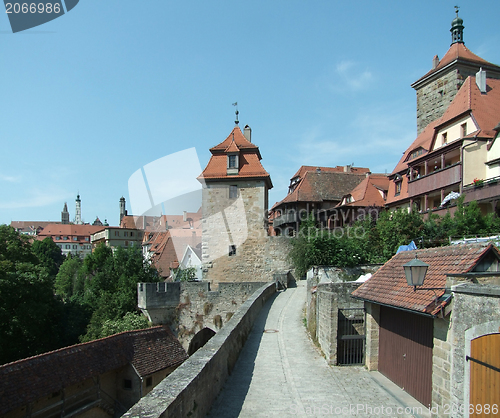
<point>232,163</point>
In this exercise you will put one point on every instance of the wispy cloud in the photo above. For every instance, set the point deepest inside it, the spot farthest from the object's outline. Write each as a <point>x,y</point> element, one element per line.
<point>10,179</point>
<point>349,76</point>
<point>36,198</point>
<point>373,138</point>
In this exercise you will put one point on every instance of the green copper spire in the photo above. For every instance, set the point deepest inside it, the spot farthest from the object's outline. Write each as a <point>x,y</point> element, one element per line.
<point>457,29</point>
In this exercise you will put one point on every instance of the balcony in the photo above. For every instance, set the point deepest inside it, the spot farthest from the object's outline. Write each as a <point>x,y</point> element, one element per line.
<point>436,180</point>
<point>287,218</point>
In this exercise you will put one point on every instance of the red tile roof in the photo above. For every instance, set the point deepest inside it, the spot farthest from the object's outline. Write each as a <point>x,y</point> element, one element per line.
<point>485,107</point>
<point>338,169</point>
<point>388,285</point>
<point>370,191</point>
<point>249,160</point>
<point>27,380</point>
<point>323,186</point>
<point>68,230</point>
<point>457,52</point>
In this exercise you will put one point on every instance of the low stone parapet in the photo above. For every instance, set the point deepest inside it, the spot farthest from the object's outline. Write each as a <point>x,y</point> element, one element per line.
<point>193,386</point>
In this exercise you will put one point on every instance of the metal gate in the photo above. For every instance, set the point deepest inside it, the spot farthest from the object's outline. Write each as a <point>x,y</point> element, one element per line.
<point>351,336</point>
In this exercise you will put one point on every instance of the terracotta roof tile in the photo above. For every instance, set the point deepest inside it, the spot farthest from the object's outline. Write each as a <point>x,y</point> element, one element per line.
<point>249,160</point>
<point>27,380</point>
<point>338,169</point>
<point>323,186</point>
<point>370,191</point>
<point>457,51</point>
<point>388,285</point>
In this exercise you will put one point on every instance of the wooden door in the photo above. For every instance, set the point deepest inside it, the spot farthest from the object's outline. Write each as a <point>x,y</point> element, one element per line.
<point>484,363</point>
<point>405,351</point>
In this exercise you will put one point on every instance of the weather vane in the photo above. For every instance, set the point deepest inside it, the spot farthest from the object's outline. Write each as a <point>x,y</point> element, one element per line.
<point>235,104</point>
<point>456,9</point>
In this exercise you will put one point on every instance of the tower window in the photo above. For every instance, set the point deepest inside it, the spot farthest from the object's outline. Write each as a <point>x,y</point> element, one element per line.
<point>233,192</point>
<point>127,384</point>
<point>232,250</point>
<point>231,161</point>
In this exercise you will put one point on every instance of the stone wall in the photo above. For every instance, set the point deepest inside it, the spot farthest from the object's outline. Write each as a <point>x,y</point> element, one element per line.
<point>189,307</point>
<point>191,389</point>
<point>323,303</point>
<point>372,331</point>
<point>475,307</point>
<point>240,222</point>
<point>441,364</point>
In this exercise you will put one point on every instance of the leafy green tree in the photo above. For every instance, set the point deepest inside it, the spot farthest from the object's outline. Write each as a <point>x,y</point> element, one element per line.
<point>130,321</point>
<point>49,255</point>
<point>69,279</point>
<point>28,309</point>
<point>183,275</point>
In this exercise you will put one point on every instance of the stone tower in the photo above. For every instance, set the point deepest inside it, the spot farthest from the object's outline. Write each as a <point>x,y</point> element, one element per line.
<point>436,89</point>
<point>78,211</point>
<point>65,214</point>
<point>234,203</point>
<point>123,211</point>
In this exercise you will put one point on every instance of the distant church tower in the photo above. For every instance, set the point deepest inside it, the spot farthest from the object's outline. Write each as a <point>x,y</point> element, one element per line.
<point>123,211</point>
<point>78,211</point>
<point>436,89</point>
<point>234,204</point>
<point>65,214</point>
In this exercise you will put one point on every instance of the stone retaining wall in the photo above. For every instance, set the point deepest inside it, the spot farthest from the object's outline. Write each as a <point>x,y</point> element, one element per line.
<point>193,386</point>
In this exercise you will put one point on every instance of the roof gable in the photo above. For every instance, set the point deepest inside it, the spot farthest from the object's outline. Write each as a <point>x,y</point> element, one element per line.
<point>388,285</point>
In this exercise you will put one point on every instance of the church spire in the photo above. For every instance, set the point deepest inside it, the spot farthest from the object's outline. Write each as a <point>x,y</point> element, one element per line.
<point>457,29</point>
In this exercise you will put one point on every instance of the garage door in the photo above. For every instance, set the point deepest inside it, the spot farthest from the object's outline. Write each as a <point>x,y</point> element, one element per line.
<point>405,351</point>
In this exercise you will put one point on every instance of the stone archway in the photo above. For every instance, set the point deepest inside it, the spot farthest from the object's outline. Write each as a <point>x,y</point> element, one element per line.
<point>199,340</point>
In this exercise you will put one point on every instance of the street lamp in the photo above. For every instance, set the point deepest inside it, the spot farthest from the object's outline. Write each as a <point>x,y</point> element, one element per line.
<point>415,271</point>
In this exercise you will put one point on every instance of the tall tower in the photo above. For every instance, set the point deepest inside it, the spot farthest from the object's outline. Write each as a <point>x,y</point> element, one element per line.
<point>78,211</point>
<point>123,211</point>
<point>65,214</point>
<point>234,204</point>
<point>436,89</point>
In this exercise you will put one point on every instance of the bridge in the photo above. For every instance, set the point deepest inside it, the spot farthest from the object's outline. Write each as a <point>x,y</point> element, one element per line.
<point>262,363</point>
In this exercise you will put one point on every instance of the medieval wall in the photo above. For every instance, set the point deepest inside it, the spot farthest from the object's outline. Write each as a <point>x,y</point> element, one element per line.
<point>189,307</point>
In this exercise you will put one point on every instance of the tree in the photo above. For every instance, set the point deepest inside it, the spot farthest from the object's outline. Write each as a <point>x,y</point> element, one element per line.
<point>69,279</point>
<point>49,255</point>
<point>28,309</point>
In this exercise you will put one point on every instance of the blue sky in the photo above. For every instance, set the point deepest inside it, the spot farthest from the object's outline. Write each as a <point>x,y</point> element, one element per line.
<point>113,85</point>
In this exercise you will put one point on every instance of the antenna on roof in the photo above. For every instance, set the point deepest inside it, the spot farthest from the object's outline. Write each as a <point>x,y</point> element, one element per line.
<point>235,104</point>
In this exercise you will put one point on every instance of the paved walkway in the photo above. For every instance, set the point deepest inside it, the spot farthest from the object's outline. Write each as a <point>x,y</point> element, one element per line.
<point>280,373</point>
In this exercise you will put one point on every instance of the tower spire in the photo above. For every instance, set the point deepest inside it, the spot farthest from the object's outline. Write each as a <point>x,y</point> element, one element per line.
<point>236,113</point>
<point>457,29</point>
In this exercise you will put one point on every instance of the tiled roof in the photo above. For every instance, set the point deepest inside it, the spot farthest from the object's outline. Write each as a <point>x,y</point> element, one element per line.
<point>323,186</point>
<point>249,160</point>
<point>388,285</point>
<point>457,52</point>
<point>485,107</point>
<point>239,139</point>
<point>368,192</point>
<point>68,230</point>
<point>338,169</point>
<point>27,380</point>
<point>159,223</point>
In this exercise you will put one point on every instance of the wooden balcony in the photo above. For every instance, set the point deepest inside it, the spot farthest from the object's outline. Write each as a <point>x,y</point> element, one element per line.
<point>436,180</point>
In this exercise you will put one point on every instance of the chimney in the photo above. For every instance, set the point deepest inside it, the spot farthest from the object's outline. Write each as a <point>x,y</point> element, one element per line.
<point>318,169</point>
<point>347,169</point>
<point>247,131</point>
<point>435,62</point>
<point>481,80</point>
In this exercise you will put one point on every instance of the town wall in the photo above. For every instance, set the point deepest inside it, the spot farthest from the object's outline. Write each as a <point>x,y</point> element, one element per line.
<point>191,389</point>
<point>189,307</point>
